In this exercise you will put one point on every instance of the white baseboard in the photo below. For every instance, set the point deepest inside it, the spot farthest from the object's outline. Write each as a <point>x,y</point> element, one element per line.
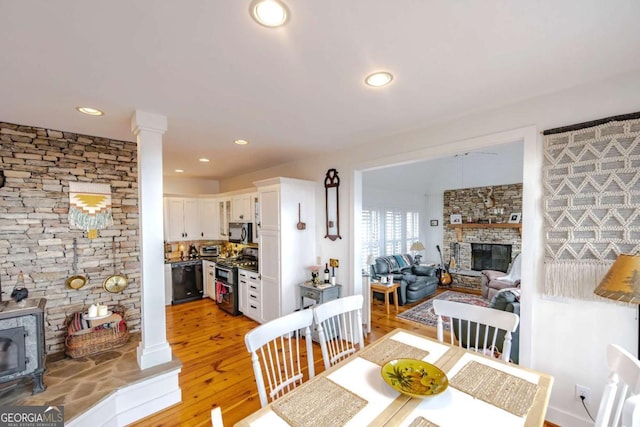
<point>132,402</point>
<point>563,418</point>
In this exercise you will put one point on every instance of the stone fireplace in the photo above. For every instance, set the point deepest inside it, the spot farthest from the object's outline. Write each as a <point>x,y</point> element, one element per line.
<point>485,240</point>
<point>490,256</point>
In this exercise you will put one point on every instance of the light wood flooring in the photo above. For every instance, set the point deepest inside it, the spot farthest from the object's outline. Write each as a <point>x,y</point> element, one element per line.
<point>217,368</point>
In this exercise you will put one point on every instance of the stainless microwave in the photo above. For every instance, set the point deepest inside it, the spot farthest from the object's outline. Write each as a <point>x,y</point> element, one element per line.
<point>240,232</point>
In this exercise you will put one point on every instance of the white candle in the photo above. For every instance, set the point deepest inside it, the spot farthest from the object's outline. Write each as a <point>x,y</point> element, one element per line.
<point>93,311</point>
<point>102,310</point>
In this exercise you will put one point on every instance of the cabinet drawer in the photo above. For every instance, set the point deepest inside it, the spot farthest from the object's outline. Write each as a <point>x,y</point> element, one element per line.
<point>253,287</point>
<point>312,294</point>
<point>253,310</point>
<point>253,296</point>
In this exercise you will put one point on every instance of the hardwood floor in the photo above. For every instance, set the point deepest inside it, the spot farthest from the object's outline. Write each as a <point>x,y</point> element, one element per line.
<point>217,368</point>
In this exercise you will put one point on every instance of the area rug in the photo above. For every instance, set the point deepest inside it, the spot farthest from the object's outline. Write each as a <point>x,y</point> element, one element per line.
<point>423,312</point>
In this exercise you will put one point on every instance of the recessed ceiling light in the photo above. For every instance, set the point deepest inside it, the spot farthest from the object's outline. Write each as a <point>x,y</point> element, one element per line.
<point>270,13</point>
<point>179,170</point>
<point>379,79</point>
<point>203,160</point>
<point>241,142</point>
<point>90,111</point>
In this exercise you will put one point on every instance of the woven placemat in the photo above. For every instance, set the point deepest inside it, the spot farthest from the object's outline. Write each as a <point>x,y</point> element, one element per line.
<point>391,349</point>
<point>321,403</point>
<point>513,394</point>
<point>422,422</point>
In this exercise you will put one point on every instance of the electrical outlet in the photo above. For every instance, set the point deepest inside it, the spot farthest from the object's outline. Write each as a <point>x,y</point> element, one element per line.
<point>583,391</point>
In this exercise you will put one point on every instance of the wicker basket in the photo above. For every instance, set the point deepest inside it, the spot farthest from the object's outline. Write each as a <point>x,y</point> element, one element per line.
<point>79,345</point>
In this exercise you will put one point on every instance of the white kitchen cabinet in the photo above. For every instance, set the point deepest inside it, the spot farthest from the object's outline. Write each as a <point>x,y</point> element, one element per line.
<point>249,288</point>
<point>241,208</point>
<point>224,216</point>
<point>208,219</point>
<point>181,219</point>
<point>285,253</point>
<point>255,215</point>
<point>209,279</point>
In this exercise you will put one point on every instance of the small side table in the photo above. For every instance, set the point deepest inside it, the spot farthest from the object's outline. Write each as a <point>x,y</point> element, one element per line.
<point>386,290</point>
<point>317,294</point>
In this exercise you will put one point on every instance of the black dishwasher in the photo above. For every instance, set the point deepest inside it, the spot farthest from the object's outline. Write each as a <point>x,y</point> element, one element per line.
<point>186,281</point>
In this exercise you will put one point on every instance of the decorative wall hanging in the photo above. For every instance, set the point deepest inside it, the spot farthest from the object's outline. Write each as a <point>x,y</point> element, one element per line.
<point>90,207</point>
<point>591,180</point>
<point>332,210</point>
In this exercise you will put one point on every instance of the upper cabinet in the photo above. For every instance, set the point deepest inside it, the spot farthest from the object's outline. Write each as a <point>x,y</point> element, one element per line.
<point>198,218</point>
<point>241,208</point>
<point>208,217</point>
<point>181,219</point>
<point>255,215</point>
<point>224,216</point>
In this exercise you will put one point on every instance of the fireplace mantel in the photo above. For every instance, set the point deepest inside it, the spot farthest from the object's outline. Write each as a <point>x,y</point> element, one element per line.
<point>460,227</point>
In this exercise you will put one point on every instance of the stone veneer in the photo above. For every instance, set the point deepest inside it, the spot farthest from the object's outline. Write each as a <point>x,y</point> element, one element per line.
<point>469,204</point>
<point>35,236</point>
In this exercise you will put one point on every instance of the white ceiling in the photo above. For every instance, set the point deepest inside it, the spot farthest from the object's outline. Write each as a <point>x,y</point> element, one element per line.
<point>296,90</point>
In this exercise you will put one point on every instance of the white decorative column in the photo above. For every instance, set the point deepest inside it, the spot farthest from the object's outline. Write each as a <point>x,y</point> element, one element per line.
<point>154,348</point>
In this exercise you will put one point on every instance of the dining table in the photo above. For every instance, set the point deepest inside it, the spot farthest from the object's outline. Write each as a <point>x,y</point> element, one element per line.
<point>479,390</point>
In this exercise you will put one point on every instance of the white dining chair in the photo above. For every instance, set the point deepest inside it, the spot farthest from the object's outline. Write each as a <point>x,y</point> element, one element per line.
<point>339,326</point>
<point>620,403</point>
<point>477,327</point>
<point>216,417</point>
<point>275,349</point>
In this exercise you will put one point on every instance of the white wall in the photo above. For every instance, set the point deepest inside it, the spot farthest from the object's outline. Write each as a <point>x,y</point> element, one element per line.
<point>568,337</point>
<point>173,185</point>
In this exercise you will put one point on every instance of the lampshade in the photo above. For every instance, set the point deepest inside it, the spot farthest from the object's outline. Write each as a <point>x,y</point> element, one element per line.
<point>622,281</point>
<point>417,246</point>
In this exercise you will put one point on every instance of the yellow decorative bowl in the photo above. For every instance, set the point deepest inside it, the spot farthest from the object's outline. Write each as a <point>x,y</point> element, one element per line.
<point>414,378</point>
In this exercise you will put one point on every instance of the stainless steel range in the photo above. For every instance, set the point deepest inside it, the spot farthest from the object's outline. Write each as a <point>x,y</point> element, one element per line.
<point>227,278</point>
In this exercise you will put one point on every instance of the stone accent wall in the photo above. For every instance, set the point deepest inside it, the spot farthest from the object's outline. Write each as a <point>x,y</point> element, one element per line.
<point>467,202</point>
<point>35,236</point>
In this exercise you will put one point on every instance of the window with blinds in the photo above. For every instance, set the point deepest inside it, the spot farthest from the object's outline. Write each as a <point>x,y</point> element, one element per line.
<point>388,231</point>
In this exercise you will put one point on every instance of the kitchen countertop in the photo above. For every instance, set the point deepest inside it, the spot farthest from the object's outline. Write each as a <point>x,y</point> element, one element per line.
<point>200,258</point>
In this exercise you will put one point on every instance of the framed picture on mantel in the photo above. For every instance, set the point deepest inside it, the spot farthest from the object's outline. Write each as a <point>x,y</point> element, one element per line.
<point>514,218</point>
<point>456,219</point>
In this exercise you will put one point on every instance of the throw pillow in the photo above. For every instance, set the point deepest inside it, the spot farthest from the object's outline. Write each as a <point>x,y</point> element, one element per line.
<point>401,261</point>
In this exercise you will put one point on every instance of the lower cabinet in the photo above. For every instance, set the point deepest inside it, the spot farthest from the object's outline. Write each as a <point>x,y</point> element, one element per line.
<point>209,272</point>
<point>250,294</point>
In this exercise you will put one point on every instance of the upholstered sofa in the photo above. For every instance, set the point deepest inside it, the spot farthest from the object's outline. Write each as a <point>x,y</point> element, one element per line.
<point>416,281</point>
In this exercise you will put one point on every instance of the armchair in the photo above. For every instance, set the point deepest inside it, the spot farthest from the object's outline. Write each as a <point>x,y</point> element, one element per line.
<point>494,281</point>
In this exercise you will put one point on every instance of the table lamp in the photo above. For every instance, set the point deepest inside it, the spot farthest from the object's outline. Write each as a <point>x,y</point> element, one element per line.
<point>370,261</point>
<point>622,283</point>
<point>417,247</point>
